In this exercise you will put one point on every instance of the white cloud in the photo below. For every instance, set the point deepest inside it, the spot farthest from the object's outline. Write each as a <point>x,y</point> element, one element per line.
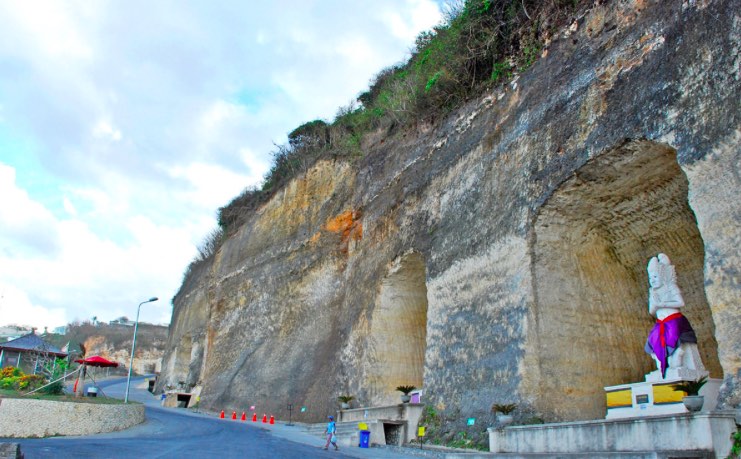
<point>17,308</point>
<point>51,29</point>
<point>211,185</point>
<point>68,206</point>
<point>103,129</point>
<point>24,224</point>
<point>420,16</point>
<point>88,274</point>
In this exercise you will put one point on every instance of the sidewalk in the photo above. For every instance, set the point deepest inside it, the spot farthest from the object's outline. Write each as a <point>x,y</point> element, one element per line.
<point>297,433</point>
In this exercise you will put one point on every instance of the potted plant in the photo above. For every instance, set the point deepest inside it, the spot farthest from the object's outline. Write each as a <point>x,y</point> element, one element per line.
<point>345,401</point>
<point>693,401</point>
<point>405,390</point>
<point>504,410</point>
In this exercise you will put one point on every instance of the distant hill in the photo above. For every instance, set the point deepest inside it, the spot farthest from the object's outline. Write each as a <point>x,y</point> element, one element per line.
<point>113,341</point>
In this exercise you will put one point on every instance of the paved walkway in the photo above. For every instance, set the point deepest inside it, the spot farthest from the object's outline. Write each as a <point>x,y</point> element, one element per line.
<point>295,433</point>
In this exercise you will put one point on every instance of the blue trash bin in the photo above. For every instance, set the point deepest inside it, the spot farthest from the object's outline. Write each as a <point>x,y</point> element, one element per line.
<point>364,438</point>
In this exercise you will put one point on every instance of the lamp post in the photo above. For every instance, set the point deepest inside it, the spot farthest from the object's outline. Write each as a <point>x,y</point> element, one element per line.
<point>133,346</point>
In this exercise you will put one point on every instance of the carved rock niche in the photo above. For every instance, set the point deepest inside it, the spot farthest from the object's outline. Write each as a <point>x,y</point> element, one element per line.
<point>593,238</point>
<point>398,334</point>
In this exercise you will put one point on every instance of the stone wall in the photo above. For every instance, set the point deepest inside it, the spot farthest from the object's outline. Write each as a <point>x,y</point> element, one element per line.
<point>512,237</point>
<point>24,418</point>
<point>687,435</point>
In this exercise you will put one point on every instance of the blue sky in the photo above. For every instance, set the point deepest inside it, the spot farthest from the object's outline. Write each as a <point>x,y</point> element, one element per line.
<point>125,125</point>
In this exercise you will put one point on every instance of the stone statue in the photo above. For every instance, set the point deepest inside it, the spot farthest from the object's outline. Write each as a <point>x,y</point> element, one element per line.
<point>672,341</point>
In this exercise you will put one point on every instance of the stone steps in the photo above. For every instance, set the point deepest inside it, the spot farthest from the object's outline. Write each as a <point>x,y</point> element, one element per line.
<point>347,432</point>
<point>318,429</point>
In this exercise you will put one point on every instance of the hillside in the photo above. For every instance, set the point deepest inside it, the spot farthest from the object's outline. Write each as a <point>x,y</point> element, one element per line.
<point>114,343</point>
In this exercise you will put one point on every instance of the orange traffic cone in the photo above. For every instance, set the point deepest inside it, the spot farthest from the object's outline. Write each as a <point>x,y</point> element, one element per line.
<point>254,417</point>
<point>244,416</point>
<point>264,418</point>
<point>234,415</point>
<point>272,419</point>
<point>222,414</point>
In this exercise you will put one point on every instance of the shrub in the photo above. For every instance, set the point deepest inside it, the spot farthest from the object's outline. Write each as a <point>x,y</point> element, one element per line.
<point>690,387</point>
<point>56,388</point>
<point>30,382</point>
<point>504,408</point>
<point>11,382</point>
<point>8,372</point>
<point>232,215</point>
<point>405,389</point>
<point>12,378</point>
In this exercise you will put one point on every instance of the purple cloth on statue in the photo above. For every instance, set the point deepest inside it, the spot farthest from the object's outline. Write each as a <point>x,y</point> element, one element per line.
<point>676,330</point>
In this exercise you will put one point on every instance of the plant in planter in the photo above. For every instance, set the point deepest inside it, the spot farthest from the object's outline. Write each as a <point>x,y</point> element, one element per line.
<point>504,410</point>
<point>405,390</point>
<point>693,400</point>
<point>345,401</point>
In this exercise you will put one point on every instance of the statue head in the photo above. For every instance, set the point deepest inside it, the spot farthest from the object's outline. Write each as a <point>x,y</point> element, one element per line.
<point>661,271</point>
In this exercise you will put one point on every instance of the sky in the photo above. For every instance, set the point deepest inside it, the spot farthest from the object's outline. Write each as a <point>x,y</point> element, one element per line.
<point>125,125</point>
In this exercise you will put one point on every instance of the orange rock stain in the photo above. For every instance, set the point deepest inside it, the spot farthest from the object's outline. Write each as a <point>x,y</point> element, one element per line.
<point>347,225</point>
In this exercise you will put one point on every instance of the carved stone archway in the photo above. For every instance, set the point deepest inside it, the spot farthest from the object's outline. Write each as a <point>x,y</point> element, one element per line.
<point>593,238</point>
<point>398,336</point>
<point>183,358</point>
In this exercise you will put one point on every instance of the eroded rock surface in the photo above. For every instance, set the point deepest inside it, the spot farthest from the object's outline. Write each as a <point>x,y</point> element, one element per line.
<point>498,256</point>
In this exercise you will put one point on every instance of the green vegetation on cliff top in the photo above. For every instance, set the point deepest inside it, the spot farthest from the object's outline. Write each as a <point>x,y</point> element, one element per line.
<point>480,44</point>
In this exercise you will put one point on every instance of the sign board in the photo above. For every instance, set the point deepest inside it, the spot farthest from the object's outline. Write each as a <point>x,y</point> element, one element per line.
<point>471,421</point>
<point>303,409</point>
<point>421,431</point>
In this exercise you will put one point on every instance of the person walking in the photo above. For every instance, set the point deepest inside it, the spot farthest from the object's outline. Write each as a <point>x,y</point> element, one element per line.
<point>331,434</point>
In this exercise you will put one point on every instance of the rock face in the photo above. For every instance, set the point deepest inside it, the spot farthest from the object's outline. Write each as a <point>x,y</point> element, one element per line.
<point>498,255</point>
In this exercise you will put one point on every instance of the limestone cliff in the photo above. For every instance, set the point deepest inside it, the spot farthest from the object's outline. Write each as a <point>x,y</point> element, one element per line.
<point>499,254</point>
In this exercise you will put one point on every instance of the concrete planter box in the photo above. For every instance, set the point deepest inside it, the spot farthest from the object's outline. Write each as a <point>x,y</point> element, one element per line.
<point>23,418</point>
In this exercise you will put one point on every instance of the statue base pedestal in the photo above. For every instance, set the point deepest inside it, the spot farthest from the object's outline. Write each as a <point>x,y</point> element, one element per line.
<point>653,398</point>
<point>676,374</point>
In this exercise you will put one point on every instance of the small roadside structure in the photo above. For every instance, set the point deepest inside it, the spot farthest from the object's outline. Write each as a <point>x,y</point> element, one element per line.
<point>92,361</point>
<point>29,353</point>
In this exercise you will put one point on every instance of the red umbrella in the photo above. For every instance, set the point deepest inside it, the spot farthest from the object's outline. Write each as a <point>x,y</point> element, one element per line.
<point>97,361</point>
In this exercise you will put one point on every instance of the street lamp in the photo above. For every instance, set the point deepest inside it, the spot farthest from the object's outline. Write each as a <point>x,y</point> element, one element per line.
<point>133,346</point>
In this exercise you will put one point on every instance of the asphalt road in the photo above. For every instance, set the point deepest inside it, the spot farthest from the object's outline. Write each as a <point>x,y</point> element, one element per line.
<point>171,433</point>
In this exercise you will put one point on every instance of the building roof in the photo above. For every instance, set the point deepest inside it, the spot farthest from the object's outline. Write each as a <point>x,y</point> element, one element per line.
<point>32,343</point>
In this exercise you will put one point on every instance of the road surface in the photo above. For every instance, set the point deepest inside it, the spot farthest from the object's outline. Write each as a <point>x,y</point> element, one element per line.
<point>178,433</point>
